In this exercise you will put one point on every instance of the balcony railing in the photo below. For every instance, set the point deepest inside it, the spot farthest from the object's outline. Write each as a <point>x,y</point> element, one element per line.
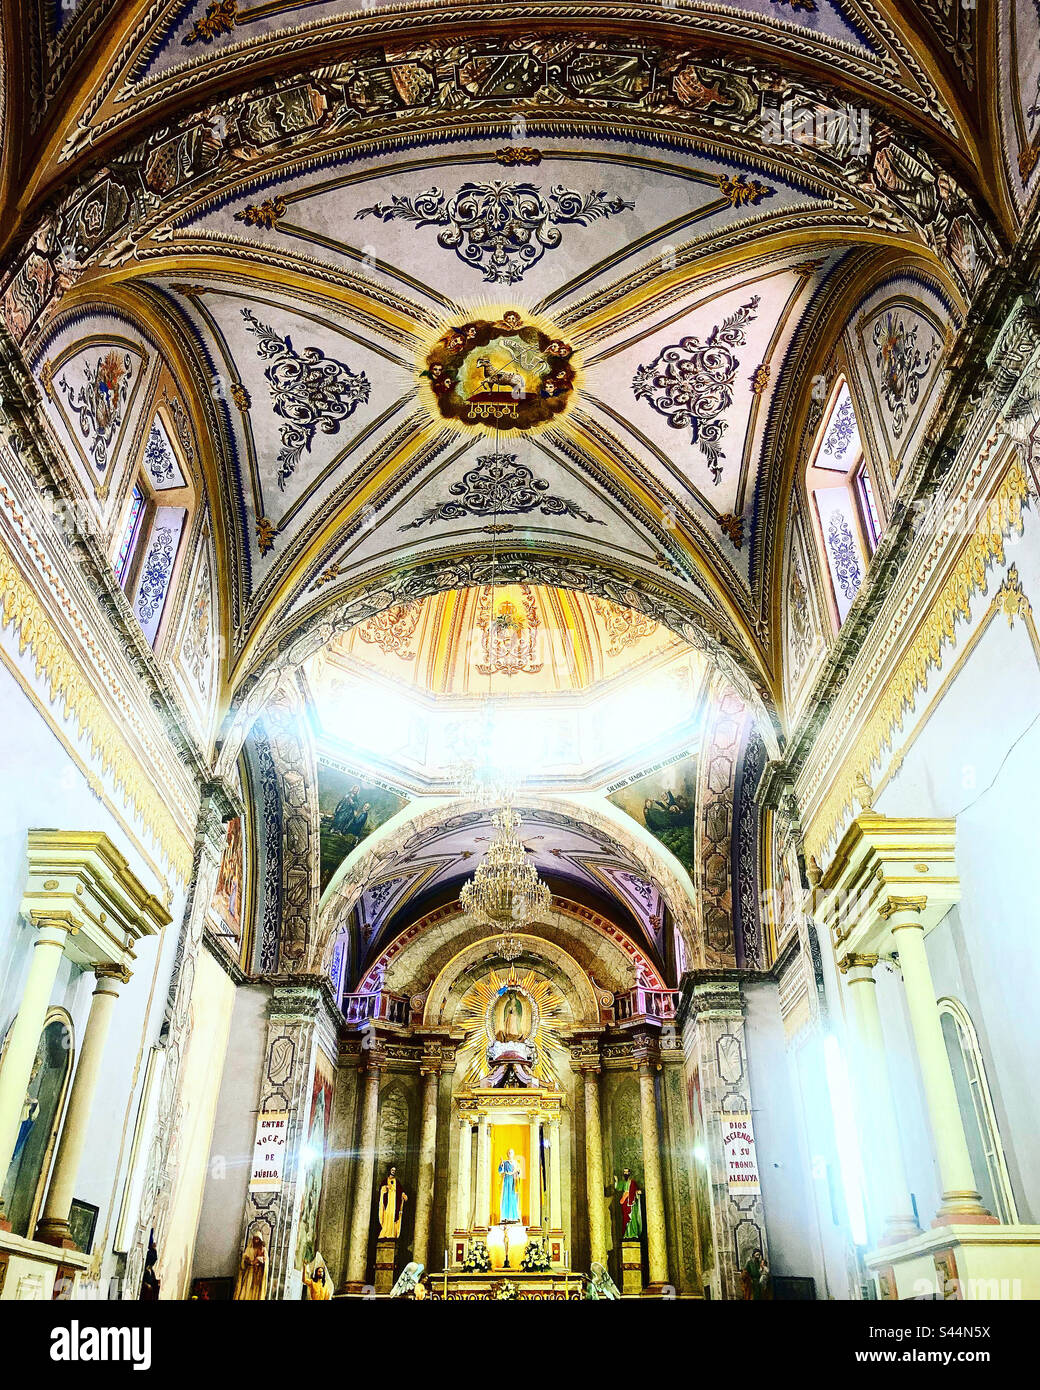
<point>645,1003</point>
<point>381,1007</point>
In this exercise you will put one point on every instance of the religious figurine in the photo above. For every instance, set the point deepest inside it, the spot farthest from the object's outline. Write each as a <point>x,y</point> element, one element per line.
<point>755,1283</point>
<point>319,1282</point>
<point>408,1282</point>
<point>509,1204</point>
<point>150,1280</point>
<point>628,1191</point>
<point>510,1054</point>
<point>391,1207</point>
<point>600,1284</point>
<point>251,1283</point>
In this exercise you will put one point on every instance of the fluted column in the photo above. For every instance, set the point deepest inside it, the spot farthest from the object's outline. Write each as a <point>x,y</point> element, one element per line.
<point>464,1185</point>
<point>656,1244</point>
<point>594,1159</point>
<point>431,1072</point>
<point>961,1201</point>
<point>24,1037</point>
<point>54,1225</point>
<point>357,1255</point>
<point>555,1192</point>
<point>482,1208</point>
<point>881,1131</point>
<point>534,1178</point>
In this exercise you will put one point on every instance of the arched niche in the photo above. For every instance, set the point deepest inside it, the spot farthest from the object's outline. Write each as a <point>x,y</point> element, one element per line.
<point>440,1004</point>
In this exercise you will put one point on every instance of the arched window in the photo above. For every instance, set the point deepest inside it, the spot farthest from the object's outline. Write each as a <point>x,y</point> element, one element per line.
<point>846,519</point>
<point>976,1105</point>
<point>154,524</point>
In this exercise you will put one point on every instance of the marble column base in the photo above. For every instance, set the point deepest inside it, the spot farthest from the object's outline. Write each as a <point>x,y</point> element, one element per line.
<point>386,1258</point>
<point>631,1268</point>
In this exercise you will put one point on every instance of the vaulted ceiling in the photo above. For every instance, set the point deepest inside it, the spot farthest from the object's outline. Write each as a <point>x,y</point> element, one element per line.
<point>304,202</point>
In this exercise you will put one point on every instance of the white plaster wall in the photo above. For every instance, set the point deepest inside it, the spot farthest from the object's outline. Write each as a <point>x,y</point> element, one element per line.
<point>217,1245</point>
<point>44,788</point>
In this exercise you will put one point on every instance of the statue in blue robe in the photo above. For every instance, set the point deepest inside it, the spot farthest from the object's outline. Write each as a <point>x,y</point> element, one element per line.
<point>509,1171</point>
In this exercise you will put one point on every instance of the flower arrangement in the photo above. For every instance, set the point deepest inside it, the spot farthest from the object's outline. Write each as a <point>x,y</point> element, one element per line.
<point>506,1290</point>
<point>536,1258</point>
<point>477,1260</point>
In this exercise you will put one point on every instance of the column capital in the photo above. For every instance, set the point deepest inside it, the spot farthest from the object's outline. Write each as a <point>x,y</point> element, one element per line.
<point>122,973</point>
<point>858,961</point>
<point>646,1055</point>
<point>894,906</point>
<point>57,919</point>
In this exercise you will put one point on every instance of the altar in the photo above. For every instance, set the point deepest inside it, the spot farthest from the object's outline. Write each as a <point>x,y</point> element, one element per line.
<point>503,1128</point>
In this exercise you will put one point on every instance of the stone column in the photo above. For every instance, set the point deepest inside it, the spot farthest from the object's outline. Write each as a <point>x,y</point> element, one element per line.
<point>712,1019</point>
<point>656,1241</point>
<point>24,1037</point>
<point>431,1074</point>
<point>482,1207</point>
<point>361,1218</point>
<point>589,1065</point>
<point>881,1133</point>
<point>54,1225</point>
<point>961,1202</point>
<point>464,1185</point>
<point>534,1178</point>
<point>555,1169</point>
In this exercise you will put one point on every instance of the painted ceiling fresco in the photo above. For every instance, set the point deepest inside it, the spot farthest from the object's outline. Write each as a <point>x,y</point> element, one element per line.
<point>552,301</point>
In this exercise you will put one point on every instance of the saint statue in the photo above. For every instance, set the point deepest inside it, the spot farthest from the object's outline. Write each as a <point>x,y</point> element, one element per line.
<point>754,1278</point>
<point>319,1282</point>
<point>628,1191</point>
<point>391,1207</point>
<point>251,1283</point>
<point>509,1203</point>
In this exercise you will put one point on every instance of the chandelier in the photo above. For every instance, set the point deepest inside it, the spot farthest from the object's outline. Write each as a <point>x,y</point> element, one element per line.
<point>505,891</point>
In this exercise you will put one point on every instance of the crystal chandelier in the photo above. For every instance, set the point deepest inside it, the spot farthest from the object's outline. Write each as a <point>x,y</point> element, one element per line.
<point>505,891</point>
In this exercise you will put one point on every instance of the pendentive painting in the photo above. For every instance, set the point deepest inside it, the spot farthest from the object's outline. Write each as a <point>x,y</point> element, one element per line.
<point>350,808</point>
<point>226,905</point>
<point>665,801</point>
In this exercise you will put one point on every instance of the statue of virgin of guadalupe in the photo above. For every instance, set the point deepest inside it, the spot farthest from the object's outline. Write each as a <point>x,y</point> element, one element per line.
<point>509,1171</point>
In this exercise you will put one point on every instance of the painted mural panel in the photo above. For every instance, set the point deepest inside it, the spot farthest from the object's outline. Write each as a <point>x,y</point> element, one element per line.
<point>665,802</point>
<point>318,1125</point>
<point>226,905</point>
<point>351,807</point>
<point>897,347</point>
<point>93,374</point>
<point>37,1125</point>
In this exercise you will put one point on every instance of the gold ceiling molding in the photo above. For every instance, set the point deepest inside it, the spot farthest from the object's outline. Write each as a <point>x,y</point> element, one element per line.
<point>22,610</point>
<point>1002,516</point>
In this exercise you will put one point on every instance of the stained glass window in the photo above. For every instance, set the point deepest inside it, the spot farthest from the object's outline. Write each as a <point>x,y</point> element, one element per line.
<point>130,532</point>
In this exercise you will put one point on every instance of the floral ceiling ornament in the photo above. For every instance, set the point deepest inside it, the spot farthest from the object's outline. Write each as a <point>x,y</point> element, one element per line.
<point>156,573</point>
<point>844,556</point>
<point>625,627</point>
<point>392,629</point>
<point>742,192</point>
<point>99,401</point>
<point>158,458</point>
<point>902,364</point>
<point>691,383</point>
<point>310,391</point>
<point>841,430</point>
<point>501,374</point>
<point>508,635</point>
<point>501,229</point>
<point>499,485</point>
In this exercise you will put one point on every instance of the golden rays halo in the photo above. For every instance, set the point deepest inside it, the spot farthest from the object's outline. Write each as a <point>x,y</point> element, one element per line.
<point>522,350</point>
<point>547,1007</point>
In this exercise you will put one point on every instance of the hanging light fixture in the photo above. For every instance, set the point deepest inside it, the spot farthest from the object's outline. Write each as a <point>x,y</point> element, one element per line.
<point>505,891</point>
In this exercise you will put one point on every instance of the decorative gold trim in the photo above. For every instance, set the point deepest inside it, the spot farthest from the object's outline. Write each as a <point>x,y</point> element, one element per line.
<point>891,906</point>
<point>854,961</point>
<point>1001,517</point>
<point>22,610</point>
